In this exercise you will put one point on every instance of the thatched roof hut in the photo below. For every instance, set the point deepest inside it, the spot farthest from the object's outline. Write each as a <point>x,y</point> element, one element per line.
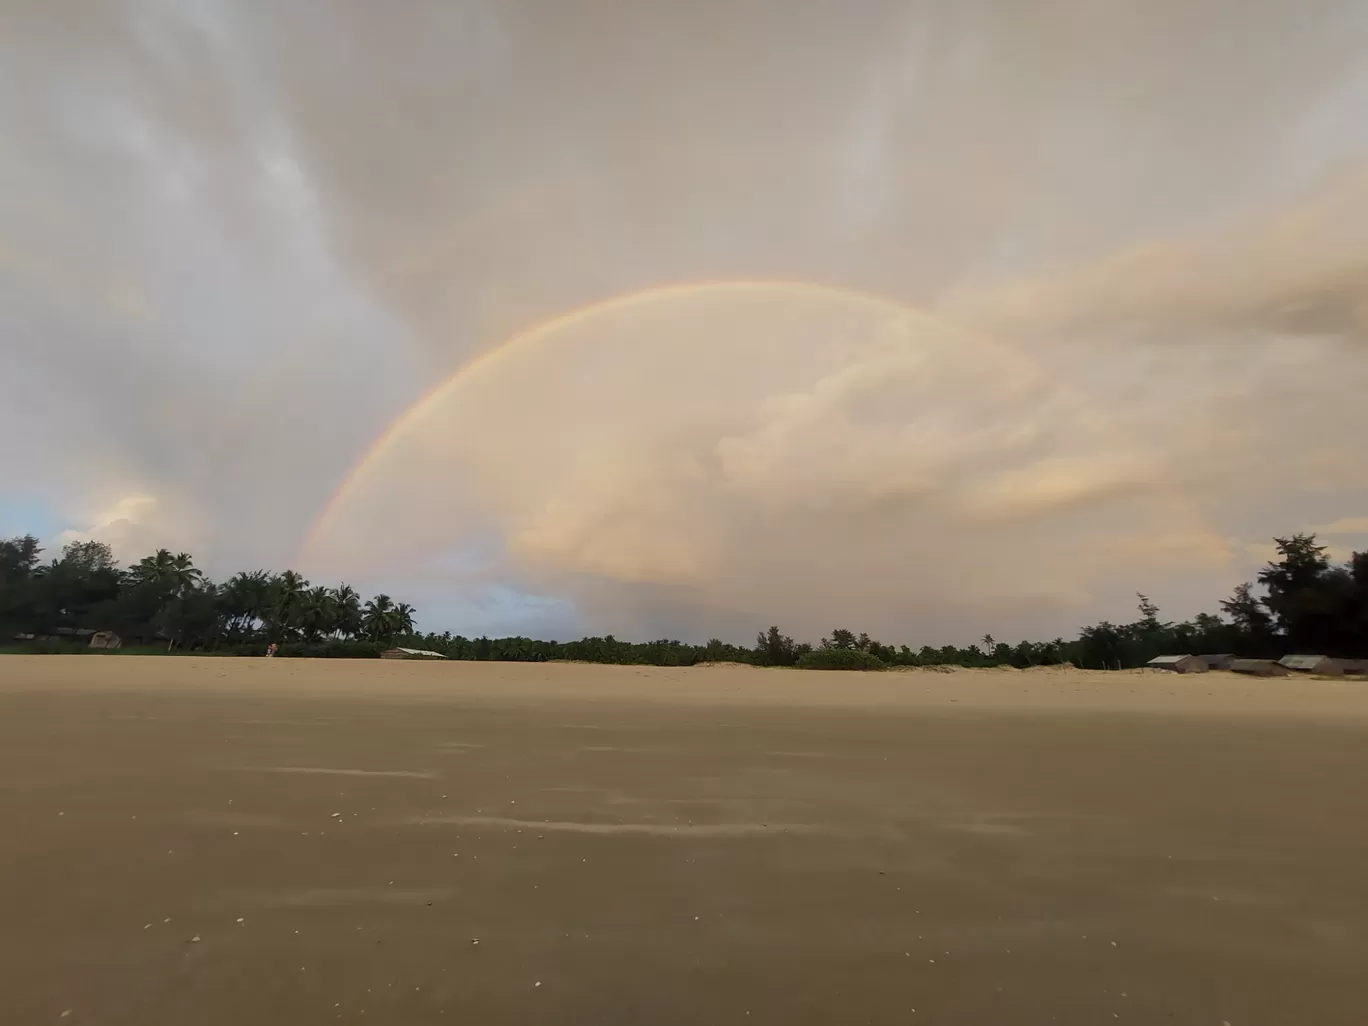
<point>1259,667</point>
<point>1219,661</point>
<point>1178,664</point>
<point>1318,664</point>
<point>410,653</point>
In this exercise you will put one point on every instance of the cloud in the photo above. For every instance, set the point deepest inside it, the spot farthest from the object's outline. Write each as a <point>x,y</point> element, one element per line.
<point>1345,525</point>
<point>1299,271</point>
<point>896,466</point>
<point>135,526</point>
<point>237,240</point>
<point>887,467</point>
<point>174,323</point>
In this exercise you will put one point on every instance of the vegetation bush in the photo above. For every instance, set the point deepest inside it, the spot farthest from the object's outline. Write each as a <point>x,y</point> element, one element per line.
<point>331,649</point>
<point>48,646</point>
<point>840,659</point>
<point>163,603</point>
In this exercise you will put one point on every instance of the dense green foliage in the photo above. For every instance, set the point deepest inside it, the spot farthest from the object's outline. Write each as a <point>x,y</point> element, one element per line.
<point>164,599</point>
<point>840,659</point>
<point>164,603</point>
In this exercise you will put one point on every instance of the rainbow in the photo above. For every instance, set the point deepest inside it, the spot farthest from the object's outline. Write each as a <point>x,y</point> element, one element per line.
<point>544,330</point>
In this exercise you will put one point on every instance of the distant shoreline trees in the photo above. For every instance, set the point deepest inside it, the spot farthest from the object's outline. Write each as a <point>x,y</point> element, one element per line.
<point>165,602</point>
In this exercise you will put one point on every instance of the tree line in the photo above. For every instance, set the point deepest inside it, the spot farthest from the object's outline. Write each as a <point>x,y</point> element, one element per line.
<point>164,599</point>
<point>1304,603</point>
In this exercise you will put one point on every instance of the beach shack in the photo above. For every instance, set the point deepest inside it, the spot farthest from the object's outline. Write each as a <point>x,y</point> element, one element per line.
<point>1259,667</point>
<point>1178,664</point>
<point>410,653</point>
<point>1220,661</point>
<point>1318,664</point>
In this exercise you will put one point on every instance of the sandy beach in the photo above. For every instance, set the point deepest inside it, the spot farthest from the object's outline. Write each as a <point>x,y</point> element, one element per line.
<point>220,841</point>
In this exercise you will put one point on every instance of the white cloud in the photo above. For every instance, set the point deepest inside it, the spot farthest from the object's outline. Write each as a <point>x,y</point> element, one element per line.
<point>1297,271</point>
<point>1345,525</point>
<point>134,526</point>
<point>738,452</point>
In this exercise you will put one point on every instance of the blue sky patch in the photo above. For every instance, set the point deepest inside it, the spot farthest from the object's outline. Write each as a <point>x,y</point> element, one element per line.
<point>28,515</point>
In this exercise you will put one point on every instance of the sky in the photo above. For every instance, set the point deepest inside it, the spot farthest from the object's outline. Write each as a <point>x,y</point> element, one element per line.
<point>931,319</point>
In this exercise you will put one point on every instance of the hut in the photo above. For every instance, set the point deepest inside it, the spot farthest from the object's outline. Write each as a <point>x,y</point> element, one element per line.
<point>1357,667</point>
<point>1321,665</point>
<point>410,653</point>
<point>105,639</point>
<point>1178,664</point>
<point>1259,667</point>
<point>1220,661</point>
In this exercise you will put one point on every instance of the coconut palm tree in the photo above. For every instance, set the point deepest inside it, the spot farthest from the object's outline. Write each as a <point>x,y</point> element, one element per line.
<point>377,618</point>
<point>246,599</point>
<point>317,613</point>
<point>403,618</point>
<point>193,616</point>
<point>348,611</point>
<point>177,574</point>
<point>148,569</point>
<point>287,595</point>
<point>184,575</point>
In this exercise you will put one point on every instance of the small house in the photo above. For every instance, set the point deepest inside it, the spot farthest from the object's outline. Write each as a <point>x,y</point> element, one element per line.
<point>1178,664</point>
<point>1357,667</point>
<point>1220,661</point>
<point>1318,664</point>
<point>410,653</point>
<point>1258,667</point>
<point>105,639</point>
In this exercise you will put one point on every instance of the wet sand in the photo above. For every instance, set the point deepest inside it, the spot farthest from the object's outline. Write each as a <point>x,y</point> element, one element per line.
<point>223,841</point>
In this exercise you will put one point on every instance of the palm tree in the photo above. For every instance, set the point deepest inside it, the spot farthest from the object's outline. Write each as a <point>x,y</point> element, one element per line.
<point>403,618</point>
<point>235,602</point>
<point>148,569</point>
<point>377,619</point>
<point>317,613</point>
<point>287,592</point>
<point>183,573</point>
<point>177,573</point>
<point>246,598</point>
<point>348,611</point>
